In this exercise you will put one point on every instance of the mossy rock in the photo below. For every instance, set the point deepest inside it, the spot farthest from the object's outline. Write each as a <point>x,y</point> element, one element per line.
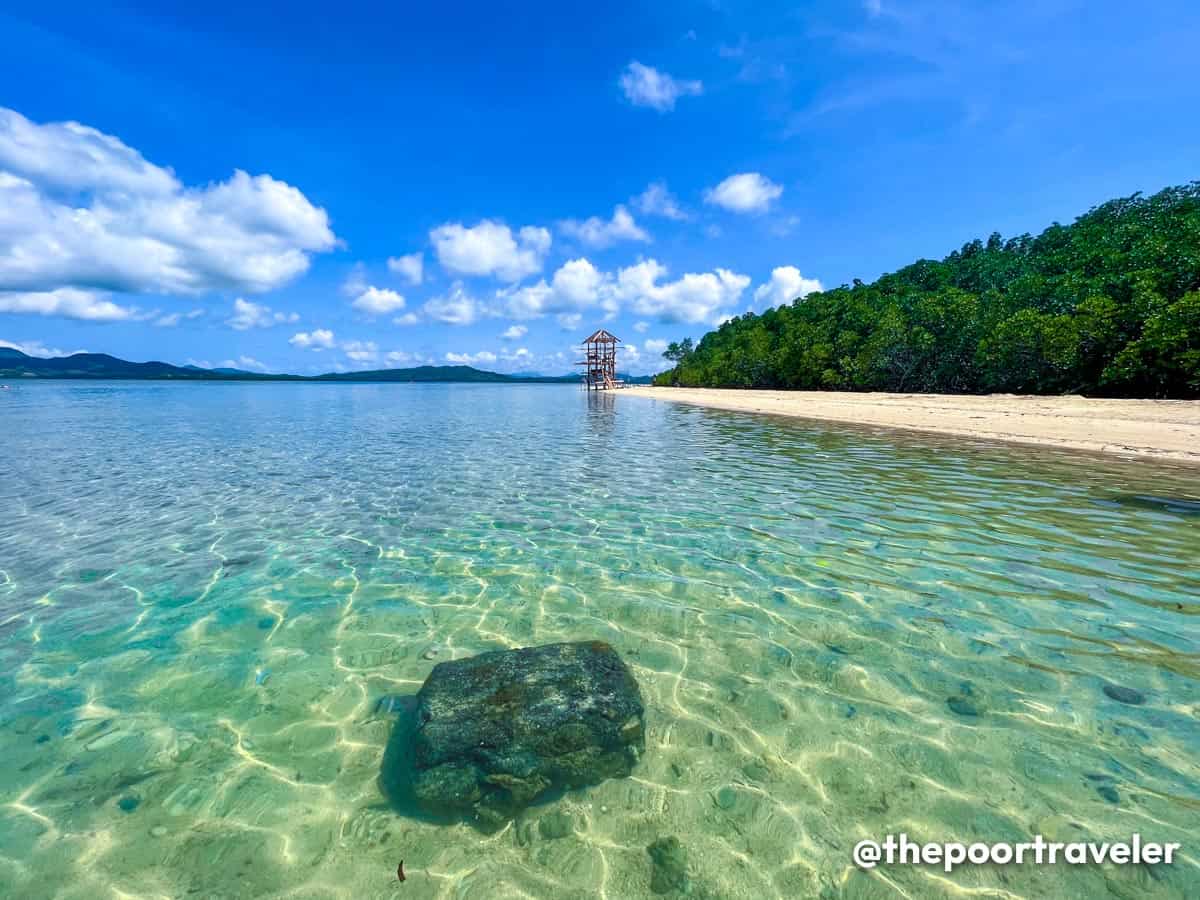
<point>497,732</point>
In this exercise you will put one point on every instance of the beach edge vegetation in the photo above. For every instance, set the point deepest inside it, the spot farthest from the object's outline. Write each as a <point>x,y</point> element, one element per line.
<point>1106,306</point>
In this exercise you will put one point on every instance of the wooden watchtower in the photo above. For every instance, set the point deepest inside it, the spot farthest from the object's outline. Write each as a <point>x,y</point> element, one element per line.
<point>600,361</point>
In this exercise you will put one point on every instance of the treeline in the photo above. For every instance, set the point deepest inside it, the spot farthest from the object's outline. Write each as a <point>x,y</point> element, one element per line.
<point>1109,305</point>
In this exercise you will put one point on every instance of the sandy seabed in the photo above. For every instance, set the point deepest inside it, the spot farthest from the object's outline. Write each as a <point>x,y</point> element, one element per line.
<point>1160,429</point>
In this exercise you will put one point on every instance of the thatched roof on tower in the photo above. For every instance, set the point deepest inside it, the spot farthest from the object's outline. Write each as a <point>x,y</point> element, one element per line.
<point>601,337</point>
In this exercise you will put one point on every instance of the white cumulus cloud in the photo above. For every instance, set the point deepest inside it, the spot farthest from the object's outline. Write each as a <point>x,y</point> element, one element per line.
<point>647,86</point>
<point>170,320</point>
<point>747,192</point>
<point>410,267</point>
<point>577,285</point>
<point>70,303</point>
<point>403,357</point>
<point>361,351</point>
<point>81,210</point>
<point>456,307</point>
<point>490,248</point>
<point>515,332</point>
<point>317,339</point>
<point>654,345</point>
<point>598,233</point>
<point>692,298</point>
<point>470,359</point>
<point>786,285</point>
<point>656,200</point>
<point>247,315</point>
<point>378,301</point>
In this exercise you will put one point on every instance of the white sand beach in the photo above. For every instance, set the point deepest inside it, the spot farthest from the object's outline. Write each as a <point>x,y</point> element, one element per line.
<point>1161,429</point>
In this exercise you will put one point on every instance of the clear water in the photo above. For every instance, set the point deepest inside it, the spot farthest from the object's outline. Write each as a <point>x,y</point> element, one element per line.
<point>205,590</point>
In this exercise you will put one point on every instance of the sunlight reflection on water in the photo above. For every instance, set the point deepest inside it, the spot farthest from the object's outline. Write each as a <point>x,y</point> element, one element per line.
<point>205,590</point>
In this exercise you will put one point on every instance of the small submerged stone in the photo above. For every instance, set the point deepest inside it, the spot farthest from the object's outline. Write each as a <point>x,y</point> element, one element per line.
<point>266,623</point>
<point>668,859</point>
<point>555,825</point>
<point>726,797</point>
<point>756,770</point>
<point>1109,793</point>
<point>433,651</point>
<point>1123,694</point>
<point>129,803</point>
<point>158,831</point>
<point>962,706</point>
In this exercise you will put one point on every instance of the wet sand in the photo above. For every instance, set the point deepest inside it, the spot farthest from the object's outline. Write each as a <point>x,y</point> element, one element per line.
<point>1159,429</point>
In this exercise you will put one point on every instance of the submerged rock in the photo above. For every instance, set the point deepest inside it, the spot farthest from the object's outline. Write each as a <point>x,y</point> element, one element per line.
<point>962,706</point>
<point>555,825</point>
<point>669,872</point>
<point>1123,694</point>
<point>496,732</point>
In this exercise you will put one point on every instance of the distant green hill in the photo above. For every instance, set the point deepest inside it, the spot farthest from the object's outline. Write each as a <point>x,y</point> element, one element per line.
<point>1109,305</point>
<point>15,364</point>
<point>428,373</point>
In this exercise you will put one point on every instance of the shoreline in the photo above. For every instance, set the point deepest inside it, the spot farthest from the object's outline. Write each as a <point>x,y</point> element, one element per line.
<point>1166,430</point>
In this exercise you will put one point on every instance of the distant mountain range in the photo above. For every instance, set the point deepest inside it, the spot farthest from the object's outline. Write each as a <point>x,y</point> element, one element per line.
<point>15,364</point>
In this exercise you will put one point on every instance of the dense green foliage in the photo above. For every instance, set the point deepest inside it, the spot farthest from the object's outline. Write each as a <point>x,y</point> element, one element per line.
<point>1109,305</point>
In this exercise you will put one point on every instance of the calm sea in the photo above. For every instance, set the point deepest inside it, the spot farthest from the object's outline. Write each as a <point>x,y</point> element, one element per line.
<point>207,589</point>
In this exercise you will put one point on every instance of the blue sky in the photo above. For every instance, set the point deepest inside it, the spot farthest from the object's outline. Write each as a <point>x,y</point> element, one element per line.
<point>309,188</point>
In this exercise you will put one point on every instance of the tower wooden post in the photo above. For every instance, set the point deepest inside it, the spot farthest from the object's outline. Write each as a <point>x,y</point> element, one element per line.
<point>600,361</point>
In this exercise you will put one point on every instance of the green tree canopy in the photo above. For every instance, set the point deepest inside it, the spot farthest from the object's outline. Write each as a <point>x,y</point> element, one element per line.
<point>1109,305</point>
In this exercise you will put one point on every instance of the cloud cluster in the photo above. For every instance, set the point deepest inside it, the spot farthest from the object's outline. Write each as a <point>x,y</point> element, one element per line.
<point>70,302</point>
<point>247,315</point>
<point>598,233</point>
<point>317,339</point>
<point>490,248</point>
<point>656,200</point>
<point>378,301</point>
<point>410,267</point>
<point>455,307</point>
<point>647,86</point>
<point>578,285</point>
<point>511,360</point>
<point>693,298</point>
<point>361,351</point>
<point>170,320</point>
<point>84,216</point>
<point>470,359</point>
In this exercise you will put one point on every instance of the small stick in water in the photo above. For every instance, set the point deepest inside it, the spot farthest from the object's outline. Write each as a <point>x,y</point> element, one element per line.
<point>400,870</point>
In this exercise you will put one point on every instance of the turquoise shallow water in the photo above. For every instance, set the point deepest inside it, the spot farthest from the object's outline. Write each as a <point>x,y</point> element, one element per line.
<point>205,590</point>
